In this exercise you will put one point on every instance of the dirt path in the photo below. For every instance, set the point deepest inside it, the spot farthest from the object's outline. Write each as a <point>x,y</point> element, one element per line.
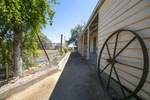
<point>39,91</point>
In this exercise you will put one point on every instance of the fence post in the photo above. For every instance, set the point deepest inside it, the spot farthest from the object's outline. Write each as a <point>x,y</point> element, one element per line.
<point>61,43</point>
<point>7,74</point>
<point>43,47</point>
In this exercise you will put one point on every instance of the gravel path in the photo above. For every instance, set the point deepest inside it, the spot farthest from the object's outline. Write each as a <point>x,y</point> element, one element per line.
<point>78,82</point>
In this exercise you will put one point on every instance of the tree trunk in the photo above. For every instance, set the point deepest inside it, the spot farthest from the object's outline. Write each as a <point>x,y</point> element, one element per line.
<point>17,50</point>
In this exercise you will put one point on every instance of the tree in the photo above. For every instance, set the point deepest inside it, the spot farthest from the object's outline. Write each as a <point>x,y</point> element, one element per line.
<point>75,33</point>
<point>23,17</point>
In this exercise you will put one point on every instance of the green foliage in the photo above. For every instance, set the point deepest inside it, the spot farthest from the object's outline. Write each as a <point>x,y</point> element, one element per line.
<point>65,49</point>
<point>75,33</point>
<point>25,17</point>
<point>29,50</point>
<point>6,50</point>
<point>28,60</point>
<point>29,13</point>
<point>61,51</point>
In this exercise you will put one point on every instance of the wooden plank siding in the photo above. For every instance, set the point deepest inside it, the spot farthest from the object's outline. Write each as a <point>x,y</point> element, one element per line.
<point>133,15</point>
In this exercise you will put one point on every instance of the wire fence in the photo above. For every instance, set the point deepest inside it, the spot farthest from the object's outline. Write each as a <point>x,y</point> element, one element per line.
<point>6,72</point>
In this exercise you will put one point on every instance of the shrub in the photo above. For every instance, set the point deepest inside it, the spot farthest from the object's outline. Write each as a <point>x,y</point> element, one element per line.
<point>65,49</point>
<point>60,52</point>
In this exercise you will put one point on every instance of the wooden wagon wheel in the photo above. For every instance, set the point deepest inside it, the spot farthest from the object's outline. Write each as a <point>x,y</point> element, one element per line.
<point>111,61</point>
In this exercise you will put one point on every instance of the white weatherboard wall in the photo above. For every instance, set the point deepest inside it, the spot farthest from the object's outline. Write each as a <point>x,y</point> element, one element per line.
<point>133,15</point>
<point>80,46</point>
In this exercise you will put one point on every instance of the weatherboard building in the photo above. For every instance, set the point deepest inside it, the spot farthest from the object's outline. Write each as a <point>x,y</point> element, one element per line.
<point>116,42</point>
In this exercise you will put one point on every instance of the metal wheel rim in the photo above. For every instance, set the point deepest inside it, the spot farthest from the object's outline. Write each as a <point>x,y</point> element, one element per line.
<point>145,60</point>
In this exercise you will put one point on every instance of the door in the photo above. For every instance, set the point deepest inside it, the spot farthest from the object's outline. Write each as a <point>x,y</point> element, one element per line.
<point>94,48</point>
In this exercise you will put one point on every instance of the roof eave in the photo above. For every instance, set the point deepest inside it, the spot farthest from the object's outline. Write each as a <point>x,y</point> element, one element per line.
<point>96,9</point>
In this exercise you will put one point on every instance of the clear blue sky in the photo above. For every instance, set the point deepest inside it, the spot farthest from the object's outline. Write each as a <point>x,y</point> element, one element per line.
<point>68,14</point>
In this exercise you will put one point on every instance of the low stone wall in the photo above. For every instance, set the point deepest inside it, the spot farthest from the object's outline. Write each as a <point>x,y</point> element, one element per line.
<point>9,89</point>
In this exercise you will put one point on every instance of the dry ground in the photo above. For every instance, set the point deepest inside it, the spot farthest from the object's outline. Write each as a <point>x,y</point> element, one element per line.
<point>39,91</point>
<point>41,52</point>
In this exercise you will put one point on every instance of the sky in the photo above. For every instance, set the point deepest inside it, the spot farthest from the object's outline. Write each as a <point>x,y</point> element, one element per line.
<point>68,14</point>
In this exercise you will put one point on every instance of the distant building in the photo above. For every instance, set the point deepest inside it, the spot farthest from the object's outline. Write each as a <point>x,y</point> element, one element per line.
<point>72,47</point>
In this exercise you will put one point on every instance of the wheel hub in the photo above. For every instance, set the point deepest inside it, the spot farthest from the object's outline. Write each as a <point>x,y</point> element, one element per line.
<point>111,61</point>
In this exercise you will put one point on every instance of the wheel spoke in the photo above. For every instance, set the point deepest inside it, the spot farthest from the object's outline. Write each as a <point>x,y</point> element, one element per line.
<point>119,81</point>
<point>126,45</point>
<point>109,77</point>
<point>109,58</point>
<point>104,68</point>
<point>108,50</point>
<point>115,46</point>
<point>129,65</point>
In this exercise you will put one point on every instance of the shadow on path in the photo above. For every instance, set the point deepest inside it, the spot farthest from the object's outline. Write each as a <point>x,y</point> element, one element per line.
<point>78,82</point>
